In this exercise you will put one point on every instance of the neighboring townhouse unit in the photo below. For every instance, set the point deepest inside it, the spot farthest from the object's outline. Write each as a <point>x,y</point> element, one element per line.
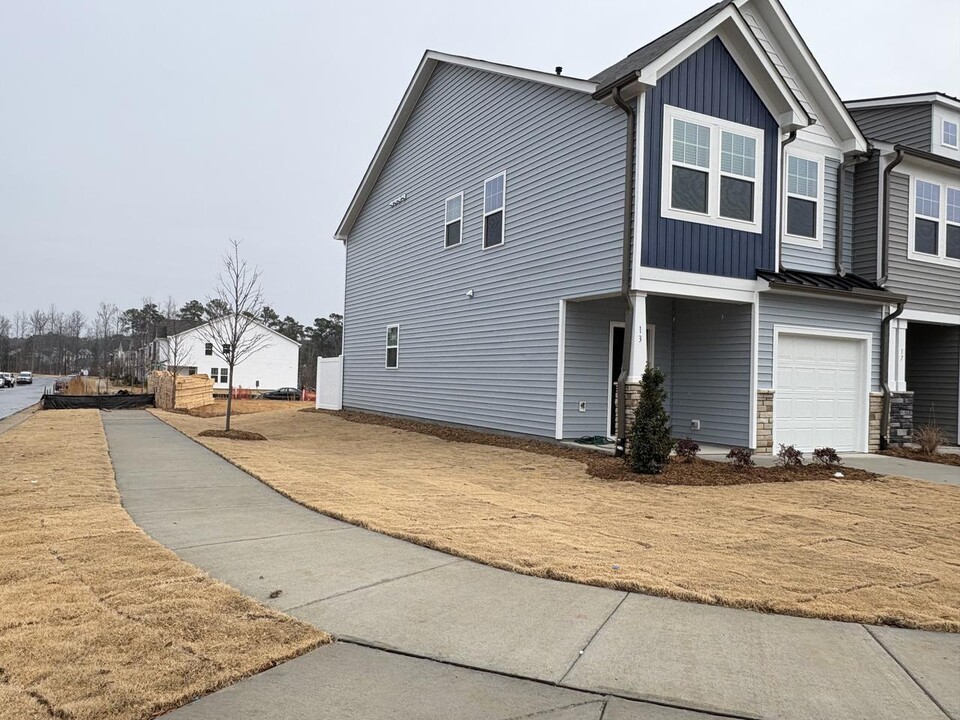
<point>521,240</point>
<point>273,366</point>
<point>908,238</point>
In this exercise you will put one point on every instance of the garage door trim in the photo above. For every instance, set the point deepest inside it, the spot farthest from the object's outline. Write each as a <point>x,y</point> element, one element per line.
<point>865,341</point>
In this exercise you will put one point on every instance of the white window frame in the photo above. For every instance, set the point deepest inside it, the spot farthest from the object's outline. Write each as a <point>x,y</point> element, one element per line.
<point>712,216</point>
<point>941,257</point>
<point>215,375</point>
<point>446,222</point>
<point>816,242</point>
<point>956,133</point>
<point>388,347</point>
<point>502,209</point>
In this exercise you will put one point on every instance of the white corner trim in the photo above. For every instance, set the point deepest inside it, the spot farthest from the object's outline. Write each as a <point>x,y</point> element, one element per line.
<point>754,367</point>
<point>639,191</point>
<point>561,361</point>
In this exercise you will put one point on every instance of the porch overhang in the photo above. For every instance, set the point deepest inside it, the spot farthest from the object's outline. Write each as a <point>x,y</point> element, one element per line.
<point>839,287</point>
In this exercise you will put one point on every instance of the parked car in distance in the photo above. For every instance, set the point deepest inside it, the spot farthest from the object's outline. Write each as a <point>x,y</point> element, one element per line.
<point>7,380</point>
<point>25,378</point>
<point>287,393</point>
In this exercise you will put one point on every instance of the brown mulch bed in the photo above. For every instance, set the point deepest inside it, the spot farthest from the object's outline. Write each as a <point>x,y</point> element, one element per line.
<point>914,454</point>
<point>605,467</point>
<point>232,434</point>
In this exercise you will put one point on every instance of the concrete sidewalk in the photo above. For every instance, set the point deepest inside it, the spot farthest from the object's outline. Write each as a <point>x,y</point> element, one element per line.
<point>458,639</point>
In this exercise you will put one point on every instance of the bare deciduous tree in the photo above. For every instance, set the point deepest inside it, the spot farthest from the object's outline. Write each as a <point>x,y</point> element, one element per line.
<point>235,336</point>
<point>172,350</point>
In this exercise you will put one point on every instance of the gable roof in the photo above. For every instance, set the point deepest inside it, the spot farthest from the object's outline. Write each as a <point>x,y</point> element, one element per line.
<point>928,98</point>
<point>431,59</point>
<point>257,322</point>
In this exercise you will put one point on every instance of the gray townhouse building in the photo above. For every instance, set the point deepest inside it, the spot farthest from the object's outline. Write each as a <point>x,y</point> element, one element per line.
<point>524,243</point>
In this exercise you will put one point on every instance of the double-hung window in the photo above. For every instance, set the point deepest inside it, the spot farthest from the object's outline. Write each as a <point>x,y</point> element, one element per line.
<point>393,347</point>
<point>494,202</point>
<point>712,170</point>
<point>208,349</point>
<point>804,200</point>
<point>935,222</point>
<point>453,220</point>
<point>948,134</point>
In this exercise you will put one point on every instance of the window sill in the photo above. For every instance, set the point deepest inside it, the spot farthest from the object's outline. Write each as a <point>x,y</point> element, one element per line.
<point>932,259</point>
<point>816,243</point>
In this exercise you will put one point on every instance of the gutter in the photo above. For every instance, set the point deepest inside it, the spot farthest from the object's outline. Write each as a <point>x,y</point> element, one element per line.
<point>841,198</point>
<point>628,191</point>
<point>783,197</point>
<point>884,363</point>
<point>885,239</point>
<point>883,297</point>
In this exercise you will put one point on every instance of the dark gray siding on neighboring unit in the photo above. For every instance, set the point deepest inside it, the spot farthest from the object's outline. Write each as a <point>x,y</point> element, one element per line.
<point>866,217</point>
<point>933,374</point>
<point>805,311</point>
<point>931,287</point>
<point>823,260</point>
<point>711,371</point>
<point>707,82</point>
<point>489,361</point>
<point>905,124</point>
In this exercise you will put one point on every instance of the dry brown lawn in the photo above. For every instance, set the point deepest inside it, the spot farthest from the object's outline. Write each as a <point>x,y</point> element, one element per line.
<point>878,551</point>
<point>98,621</point>
<point>246,407</point>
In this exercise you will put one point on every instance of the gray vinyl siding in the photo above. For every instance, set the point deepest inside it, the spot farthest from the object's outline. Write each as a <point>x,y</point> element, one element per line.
<point>904,124</point>
<point>804,311</point>
<point>823,260</point>
<point>866,217</point>
<point>933,374</point>
<point>489,361</point>
<point>711,371</point>
<point>587,365</point>
<point>931,287</point>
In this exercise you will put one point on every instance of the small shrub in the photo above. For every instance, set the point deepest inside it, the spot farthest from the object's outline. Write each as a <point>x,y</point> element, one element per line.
<point>929,438</point>
<point>789,456</point>
<point>650,441</point>
<point>826,456</point>
<point>741,457</point>
<point>687,449</point>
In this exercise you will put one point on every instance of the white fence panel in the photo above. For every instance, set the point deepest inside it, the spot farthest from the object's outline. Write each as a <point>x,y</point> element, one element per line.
<point>330,383</point>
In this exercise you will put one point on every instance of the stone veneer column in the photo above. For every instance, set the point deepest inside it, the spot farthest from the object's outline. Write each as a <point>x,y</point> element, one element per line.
<point>764,421</point>
<point>876,414</point>
<point>633,397</point>
<point>900,431</point>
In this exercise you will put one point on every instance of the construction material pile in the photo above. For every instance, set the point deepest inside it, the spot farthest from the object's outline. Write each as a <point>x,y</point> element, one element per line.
<point>183,392</point>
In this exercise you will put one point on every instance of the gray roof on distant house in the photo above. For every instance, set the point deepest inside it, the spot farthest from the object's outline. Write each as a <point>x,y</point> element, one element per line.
<point>639,59</point>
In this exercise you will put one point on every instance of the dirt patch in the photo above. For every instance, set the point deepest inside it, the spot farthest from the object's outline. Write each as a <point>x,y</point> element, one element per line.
<point>914,454</point>
<point>700,472</point>
<point>882,551</point>
<point>245,407</point>
<point>231,434</point>
<point>99,621</point>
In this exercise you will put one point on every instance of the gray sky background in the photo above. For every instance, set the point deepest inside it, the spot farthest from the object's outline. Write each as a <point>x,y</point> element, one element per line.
<point>136,138</point>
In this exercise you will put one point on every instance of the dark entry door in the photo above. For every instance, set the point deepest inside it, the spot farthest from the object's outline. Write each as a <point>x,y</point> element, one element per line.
<point>616,366</point>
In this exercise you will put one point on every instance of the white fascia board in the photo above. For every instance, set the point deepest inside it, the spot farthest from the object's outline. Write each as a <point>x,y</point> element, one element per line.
<point>896,100</point>
<point>820,92</point>
<point>740,41</point>
<point>676,283</point>
<point>411,96</point>
<point>936,318</point>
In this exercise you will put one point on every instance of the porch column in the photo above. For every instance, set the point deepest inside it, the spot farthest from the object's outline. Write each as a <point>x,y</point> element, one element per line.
<point>637,337</point>
<point>897,356</point>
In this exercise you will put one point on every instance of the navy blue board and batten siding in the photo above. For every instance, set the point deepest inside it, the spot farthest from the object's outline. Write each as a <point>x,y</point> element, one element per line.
<point>708,82</point>
<point>490,360</point>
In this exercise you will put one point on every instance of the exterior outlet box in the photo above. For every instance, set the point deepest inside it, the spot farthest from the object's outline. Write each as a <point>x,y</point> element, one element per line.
<point>582,406</point>
<point>694,424</point>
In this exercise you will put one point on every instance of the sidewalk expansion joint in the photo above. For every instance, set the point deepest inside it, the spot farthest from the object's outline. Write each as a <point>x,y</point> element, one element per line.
<point>909,674</point>
<point>604,695</point>
<point>258,537</point>
<point>593,637</point>
<point>373,584</point>
<point>550,711</point>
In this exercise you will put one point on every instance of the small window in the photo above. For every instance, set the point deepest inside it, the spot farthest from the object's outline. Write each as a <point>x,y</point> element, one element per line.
<point>927,220</point>
<point>226,349</point>
<point>224,375</point>
<point>215,374</point>
<point>208,349</point>
<point>453,220</point>
<point>738,169</point>
<point>494,196</point>
<point>949,134</point>
<point>393,346</point>
<point>803,193</point>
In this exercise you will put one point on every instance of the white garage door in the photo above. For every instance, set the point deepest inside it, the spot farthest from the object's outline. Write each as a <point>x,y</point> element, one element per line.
<point>819,398</point>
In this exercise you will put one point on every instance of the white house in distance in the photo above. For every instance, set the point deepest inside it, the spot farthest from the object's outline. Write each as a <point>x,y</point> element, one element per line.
<point>273,366</point>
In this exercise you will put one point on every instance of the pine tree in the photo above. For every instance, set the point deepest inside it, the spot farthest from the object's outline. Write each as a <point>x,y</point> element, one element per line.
<point>650,441</point>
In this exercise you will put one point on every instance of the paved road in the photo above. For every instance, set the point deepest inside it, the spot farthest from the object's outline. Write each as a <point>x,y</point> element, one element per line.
<point>19,397</point>
<point>427,635</point>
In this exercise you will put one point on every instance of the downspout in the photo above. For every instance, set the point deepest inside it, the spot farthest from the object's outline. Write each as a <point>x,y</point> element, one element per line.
<point>783,195</point>
<point>884,367</point>
<point>885,240</point>
<point>628,190</point>
<point>841,198</point>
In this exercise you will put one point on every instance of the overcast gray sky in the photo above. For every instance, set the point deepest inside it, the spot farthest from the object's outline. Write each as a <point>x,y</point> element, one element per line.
<point>136,137</point>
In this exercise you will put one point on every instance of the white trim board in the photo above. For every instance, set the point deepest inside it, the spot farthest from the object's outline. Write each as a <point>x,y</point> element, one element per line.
<point>934,318</point>
<point>561,362</point>
<point>698,286</point>
<point>866,349</point>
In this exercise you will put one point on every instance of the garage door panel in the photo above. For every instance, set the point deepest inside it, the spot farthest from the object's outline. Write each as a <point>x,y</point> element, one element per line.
<point>819,398</point>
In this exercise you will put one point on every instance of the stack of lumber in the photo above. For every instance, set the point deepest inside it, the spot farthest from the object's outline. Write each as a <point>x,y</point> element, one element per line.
<point>192,391</point>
